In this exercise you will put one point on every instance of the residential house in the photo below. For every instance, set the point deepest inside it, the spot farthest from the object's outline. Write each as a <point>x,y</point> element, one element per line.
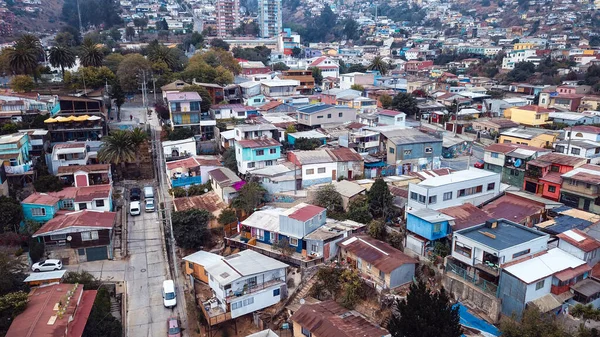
<point>529,136</point>
<point>327,319</point>
<point>359,103</point>
<point>225,139</point>
<point>349,79</point>
<point>410,149</point>
<point>79,236</point>
<point>184,172</point>
<point>39,317</point>
<point>215,91</point>
<point>582,141</point>
<point>95,197</point>
<point>208,201</point>
<point>535,280</point>
<point>425,226</point>
<point>40,141</point>
<point>391,117</point>
<point>310,134</point>
<point>279,178</point>
<point>225,183</point>
<point>173,87</point>
<point>305,77</point>
<point>377,261</point>
<point>185,111</point>
<point>196,262</point>
<point>581,188</point>
<point>331,96</point>
<point>16,160</point>
<point>318,115</point>
<point>349,191</point>
<point>68,154</point>
<point>258,131</point>
<point>326,165</point>
<point>88,175</point>
<point>178,149</point>
<point>473,186</point>
<point>40,207</point>
<point>581,245</point>
<point>256,153</point>
<point>328,66</point>
<point>493,126</point>
<point>542,175</point>
<point>528,115</point>
<point>279,88</point>
<point>253,68</point>
<point>77,119</point>
<point>235,111</point>
<point>297,222</point>
<point>243,283</point>
<point>510,160</point>
<point>362,141</point>
<point>521,207</point>
<point>496,107</point>
<point>574,118</point>
<point>323,241</point>
<point>590,103</point>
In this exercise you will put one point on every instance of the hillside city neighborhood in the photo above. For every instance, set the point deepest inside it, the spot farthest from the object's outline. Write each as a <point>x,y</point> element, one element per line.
<point>278,168</point>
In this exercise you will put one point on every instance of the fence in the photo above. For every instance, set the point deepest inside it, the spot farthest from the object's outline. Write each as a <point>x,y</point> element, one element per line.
<point>473,278</point>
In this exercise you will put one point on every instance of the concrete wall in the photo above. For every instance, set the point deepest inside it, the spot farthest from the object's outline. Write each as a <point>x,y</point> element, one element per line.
<point>485,302</point>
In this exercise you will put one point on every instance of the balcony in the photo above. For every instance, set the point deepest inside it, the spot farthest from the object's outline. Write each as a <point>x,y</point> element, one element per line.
<point>472,278</point>
<point>488,266</point>
<point>186,181</point>
<point>533,172</point>
<point>248,289</point>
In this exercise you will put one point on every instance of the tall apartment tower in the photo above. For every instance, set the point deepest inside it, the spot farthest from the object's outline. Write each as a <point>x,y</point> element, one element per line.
<point>269,18</point>
<point>228,17</point>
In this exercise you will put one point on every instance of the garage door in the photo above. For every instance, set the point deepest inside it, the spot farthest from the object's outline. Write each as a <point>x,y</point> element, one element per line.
<point>414,244</point>
<point>97,253</point>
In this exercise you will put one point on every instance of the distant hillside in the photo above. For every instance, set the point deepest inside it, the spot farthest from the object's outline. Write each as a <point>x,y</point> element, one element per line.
<point>45,19</point>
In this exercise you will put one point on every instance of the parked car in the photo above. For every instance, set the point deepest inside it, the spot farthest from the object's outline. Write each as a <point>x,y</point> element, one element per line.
<point>149,205</point>
<point>168,293</point>
<point>135,208</point>
<point>135,194</point>
<point>479,164</point>
<point>173,328</point>
<point>47,265</point>
<point>148,192</point>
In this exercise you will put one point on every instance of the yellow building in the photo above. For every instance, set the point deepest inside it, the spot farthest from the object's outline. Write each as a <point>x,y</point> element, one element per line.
<point>589,103</point>
<point>195,263</point>
<point>528,115</point>
<point>529,136</point>
<point>524,45</point>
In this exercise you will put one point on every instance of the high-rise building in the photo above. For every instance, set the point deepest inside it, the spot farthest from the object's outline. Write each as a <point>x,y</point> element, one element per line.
<point>269,18</point>
<point>228,17</point>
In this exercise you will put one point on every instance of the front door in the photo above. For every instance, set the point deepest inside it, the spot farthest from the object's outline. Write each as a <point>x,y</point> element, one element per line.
<point>349,175</point>
<point>333,175</point>
<point>586,204</point>
<point>531,187</point>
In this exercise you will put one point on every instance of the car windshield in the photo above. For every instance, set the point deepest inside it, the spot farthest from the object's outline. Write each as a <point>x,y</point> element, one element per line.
<point>169,296</point>
<point>173,331</point>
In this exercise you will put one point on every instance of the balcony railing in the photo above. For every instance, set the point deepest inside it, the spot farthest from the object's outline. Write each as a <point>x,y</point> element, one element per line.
<point>533,173</point>
<point>472,278</point>
<point>488,266</point>
<point>233,295</point>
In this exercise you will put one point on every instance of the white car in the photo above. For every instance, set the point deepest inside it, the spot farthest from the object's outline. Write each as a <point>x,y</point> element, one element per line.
<point>149,205</point>
<point>48,265</point>
<point>168,293</point>
<point>135,208</point>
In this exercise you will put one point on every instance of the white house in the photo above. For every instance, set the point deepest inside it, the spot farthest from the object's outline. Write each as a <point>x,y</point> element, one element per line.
<point>179,148</point>
<point>350,79</point>
<point>473,186</point>
<point>328,67</point>
<point>246,282</point>
<point>524,55</point>
<point>95,197</point>
<point>582,141</point>
<point>67,154</point>
<point>580,245</point>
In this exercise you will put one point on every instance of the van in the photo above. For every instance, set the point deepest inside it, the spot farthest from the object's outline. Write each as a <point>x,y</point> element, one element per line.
<point>149,192</point>
<point>135,208</point>
<point>168,293</point>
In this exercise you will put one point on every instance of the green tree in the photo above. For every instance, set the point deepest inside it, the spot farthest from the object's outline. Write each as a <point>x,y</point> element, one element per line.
<point>13,274</point>
<point>178,192</point>
<point>91,55</point>
<point>212,71</point>
<point>521,72</point>
<point>280,66</point>
<point>328,197</point>
<point>24,56</point>
<point>357,87</point>
<point>386,101</point>
<point>117,148</point>
<point>249,197</point>
<point>317,75</point>
<point>9,128</point>
<point>199,189</point>
<point>130,71</point>
<point>101,323</point>
<point>406,103</point>
<point>380,65</point>
<point>425,313</point>
<point>115,34</point>
<point>11,305</point>
<point>190,228</point>
<point>585,312</point>
<point>376,229</point>
<point>63,57</point>
<point>227,216</point>
<point>296,52</point>
<point>92,77</point>
<point>112,61</point>
<point>532,324</point>
<point>89,281</point>
<point>358,210</point>
<point>180,133</point>
<point>159,53</point>
<point>229,160</point>
<point>21,83</point>
<point>351,29</point>
<point>118,96</point>
<point>291,129</point>
<point>48,183</point>
<point>380,200</point>
<point>307,144</point>
<point>12,215</point>
<point>140,23</point>
<point>218,43</point>
<point>206,99</point>
<point>130,33</point>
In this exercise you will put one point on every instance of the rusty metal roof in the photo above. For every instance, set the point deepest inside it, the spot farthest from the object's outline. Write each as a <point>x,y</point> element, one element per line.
<point>86,168</point>
<point>513,208</point>
<point>378,253</point>
<point>465,216</point>
<point>86,218</point>
<point>209,201</point>
<point>580,240</point>
<point>329,319</point>
<point>257,143</point>
<point>558,158</point>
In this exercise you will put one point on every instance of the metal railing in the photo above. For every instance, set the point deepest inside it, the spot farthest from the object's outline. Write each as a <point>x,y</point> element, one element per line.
<point>253,289</point>
<point>473,278</point>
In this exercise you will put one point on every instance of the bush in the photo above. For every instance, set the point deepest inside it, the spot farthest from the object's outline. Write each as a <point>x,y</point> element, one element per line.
<point>19,252</point>
<point>36,250</point>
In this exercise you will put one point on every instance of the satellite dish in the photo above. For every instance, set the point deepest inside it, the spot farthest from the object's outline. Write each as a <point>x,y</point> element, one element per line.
<point>302,301</point>
<point>69,238</point>
<point>518,162</point>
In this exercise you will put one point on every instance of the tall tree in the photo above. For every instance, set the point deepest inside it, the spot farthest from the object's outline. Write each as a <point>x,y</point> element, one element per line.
<point>159,53</point>
<point>425,313</point>
<point>24,56</point>
<point>220,44</point>
<point>130,71</point>
<point>317,75</point>
<point>12,214</point>
<point>118,95</point>
<point>328,197</point>
<point>130,33</point>
<point>380,200</point>
<point>406,103</point>
<point>91,55</point>
<point>63,57</point>
<point>249,197</point>
<point>117,148</point>
<point>190,228</point>
<point>229,160</point>
<point>380,65</point>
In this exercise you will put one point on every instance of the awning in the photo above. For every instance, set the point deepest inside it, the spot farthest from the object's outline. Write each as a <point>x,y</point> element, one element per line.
<point>50,120</point>
<point>94,118</point>
<point>81,118</point>
<point>546,303</point>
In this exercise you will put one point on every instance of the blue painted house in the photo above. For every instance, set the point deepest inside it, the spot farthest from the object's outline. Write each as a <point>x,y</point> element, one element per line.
<point>40,207</point>
<point>411,147</point>
<point>256,153</point>
<point>424,227</point>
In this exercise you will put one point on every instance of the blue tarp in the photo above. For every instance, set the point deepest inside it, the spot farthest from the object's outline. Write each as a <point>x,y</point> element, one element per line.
<point>469,320</point>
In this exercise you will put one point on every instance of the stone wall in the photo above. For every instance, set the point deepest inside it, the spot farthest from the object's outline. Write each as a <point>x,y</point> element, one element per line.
<point>473,297</point>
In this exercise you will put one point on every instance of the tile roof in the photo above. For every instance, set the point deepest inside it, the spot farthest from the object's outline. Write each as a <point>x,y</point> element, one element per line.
<point>378,253</point>
<point>580,240</point>
<point>86,218</point>
<point>328,319</point>
<point>258,143</point>
<point>41,199</point>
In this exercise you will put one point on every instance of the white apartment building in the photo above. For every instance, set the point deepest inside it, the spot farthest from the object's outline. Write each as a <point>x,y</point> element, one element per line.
<point>246,282</point>
<point>270,20</point>
<point>512,58</point>
<point>473,186</point>
<point>228,17</point>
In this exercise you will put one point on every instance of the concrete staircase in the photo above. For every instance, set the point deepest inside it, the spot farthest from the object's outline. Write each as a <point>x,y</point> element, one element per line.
<point>307,283</point>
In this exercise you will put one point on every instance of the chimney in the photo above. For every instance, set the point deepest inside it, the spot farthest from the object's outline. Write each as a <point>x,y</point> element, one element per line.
<point>491,223</point>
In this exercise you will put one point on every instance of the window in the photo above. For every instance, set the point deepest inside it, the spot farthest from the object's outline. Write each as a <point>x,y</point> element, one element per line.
<point>67,204</point>
<point>368,266</point>
<point>560,149</point>
<point>341,114</point>
<point>58,237</point>
<point>82,206</point>
<point>195,106</point>
<point>99,203</point>
<point>269,163</point>
<point>236,305</point>
<point>381,275</point>
<point>306,332</point>
<point>491,186</point>
<point>272,151</point>
<point>521,253</point>
<point>514,172</point>
<point>248,301</point>
<point>462,249</point>
<point>294,242</point>
<point>260,152</point>
<point>413,195</point>
<point>273,237</point>
<point>314,248</point>
<point>251,165</point>
<point>81,251</point>
<point>429,149</point>
<point>572,182</point>
<point>392,150</point>
<point>552,189</point>
<point>478,189</point>
<point>437,227</point>
<point>87,236</point>
<point>421,198</point>
<point>407,152</point>
<point>190,265</point>
<point>276,292</point>
<point>447,196</point>
<point>539,285</point>
<point>575,151</point>
<point>38,211</point>
<point>538,116</point>
<point>328,115</point>
<point>494,155</point>
<point>321,170</point>
<point>433,199</point>
<point>241,114</point>
<point>310,171</point>
<point>319,117</point>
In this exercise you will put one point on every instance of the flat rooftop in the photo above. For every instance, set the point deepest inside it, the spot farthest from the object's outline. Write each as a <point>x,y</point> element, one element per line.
<point>506,234</point>
<point>540,267</point>
<point>456,177</point>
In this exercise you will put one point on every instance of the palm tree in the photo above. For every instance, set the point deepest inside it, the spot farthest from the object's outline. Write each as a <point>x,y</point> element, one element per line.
<point>91,55</point>
<point>63,57</point>
<point>23,57</point>
<point>380,65</point>
<point>158,53</point>
<point>117,148</point>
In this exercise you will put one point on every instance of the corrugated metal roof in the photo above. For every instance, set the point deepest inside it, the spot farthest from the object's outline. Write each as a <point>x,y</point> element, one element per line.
<point>249,262</point>
<point>256,143</point>
<point>540,267</point>
<point>45,276</point>
<point>266,219</point>
<point>203,258</point>
<point>303,211</point>
<point>378,253</point>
